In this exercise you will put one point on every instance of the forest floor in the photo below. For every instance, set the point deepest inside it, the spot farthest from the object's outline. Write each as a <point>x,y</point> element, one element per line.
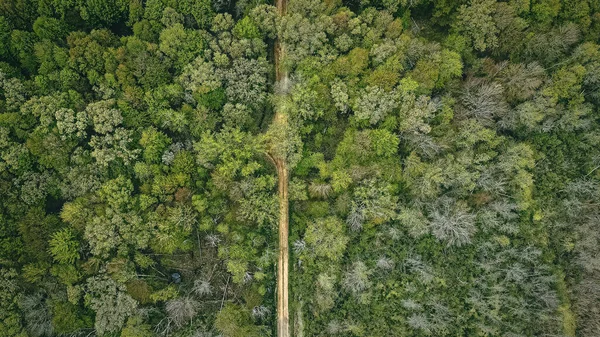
<point>283,319</point>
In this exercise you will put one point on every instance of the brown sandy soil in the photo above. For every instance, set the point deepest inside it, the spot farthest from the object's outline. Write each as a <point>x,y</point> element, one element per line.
<point>283,317</point>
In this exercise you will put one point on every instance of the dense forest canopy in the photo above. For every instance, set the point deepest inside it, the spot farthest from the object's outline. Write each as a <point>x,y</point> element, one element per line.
<point>443,161</point>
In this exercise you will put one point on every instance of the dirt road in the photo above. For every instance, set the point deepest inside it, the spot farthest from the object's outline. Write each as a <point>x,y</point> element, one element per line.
<point>283,316</point>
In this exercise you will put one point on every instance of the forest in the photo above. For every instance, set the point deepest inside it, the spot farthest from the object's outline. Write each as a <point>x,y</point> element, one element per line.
<point>178,168</point>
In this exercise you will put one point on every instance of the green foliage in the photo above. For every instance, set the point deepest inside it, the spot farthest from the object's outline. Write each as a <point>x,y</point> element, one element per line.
<point>10,320</point>
<point>104,12</point>
<point>437,70</point>
<point>326,238</point>
<point>66,319</point>
<point>4,36</point>
<point>441,160</point>
<point>136,328</point>
<point>201,11</point>
<point>21,46</point>
<point>246,29</point>
<point>235,321</point>
<point>117,192</point>
<point>154,143</point>
<point>64,246</point>
<point>110,303</point>
<point>181,45</point>
<point>476,22</point>
<point>49,28</point>
<point>213,100</point>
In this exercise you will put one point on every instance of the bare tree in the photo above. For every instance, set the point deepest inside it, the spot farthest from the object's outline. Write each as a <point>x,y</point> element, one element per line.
<point>202,287</point>
<point>420,322</point>
<point>260,312</point>
<point>483,101</point>
<point>385,263</point>
<point>452,224</point>
<point>356,279</point>
<point>299,246</point>
<point>319,190</point>
<point>182,309</point>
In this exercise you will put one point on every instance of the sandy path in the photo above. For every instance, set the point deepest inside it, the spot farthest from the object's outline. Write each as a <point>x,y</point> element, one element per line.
<point>283,316</point>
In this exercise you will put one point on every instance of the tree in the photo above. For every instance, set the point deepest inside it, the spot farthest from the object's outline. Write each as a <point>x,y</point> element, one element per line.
<point>236,115</point>
<point>22,43</point>
<point>414,221</point>
<point>201,11</point>
<point>117,193</point>
<point>14,92</point>
<point>283,142</point>
<point>4,36</point>
<point>372,202</point>
<point>35,227</point>
<point>154,144</point>
<point>116,231</point>
<point>86,52</point>
<point>326,238</point>
<point>111,147</point>
<point>136,328</point>
<point>477,23</point>
<point>246,82</point>
<point>102,236</point>
<point>104,12</point>
<point>264,16</point>
<point>174,227</point>
<point>454,225</point>
<point>374,104</point>
<point>64,247</point>
<point>303,36</point>
<point>70,123</point>
<point>352,64</point>
<point>415,112</point>
<point>181,310</point>
<point>437,69</point>
<point>66,318</point>
<point>104,117</point>
<point>200,77</point>
<point>10,318</point>
<point>38,321</point>
<point>146,30</point>
<point>181,45</point>
<point>49,28</point>
<point>339,95</point>
<point>171,17</point>
<point>235,321</point>
<point>548,47</point>
<point>246,29</point>
<point>325,291</point>
<point>110,302</point>
<point>226,152</point>
<point>356,279</point>
<point>484,102</point>
<point>521,81</point>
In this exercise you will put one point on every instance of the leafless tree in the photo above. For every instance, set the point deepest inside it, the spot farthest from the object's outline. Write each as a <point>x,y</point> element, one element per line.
<point>319,190</point>
<point>202,287</point>
<point>385,263</point>
<point>260,312</point>
<point>452,224</point>
<point>181,310</point>
<point>483,101</point>
<point>299,246</point>
<point>356,279</point>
